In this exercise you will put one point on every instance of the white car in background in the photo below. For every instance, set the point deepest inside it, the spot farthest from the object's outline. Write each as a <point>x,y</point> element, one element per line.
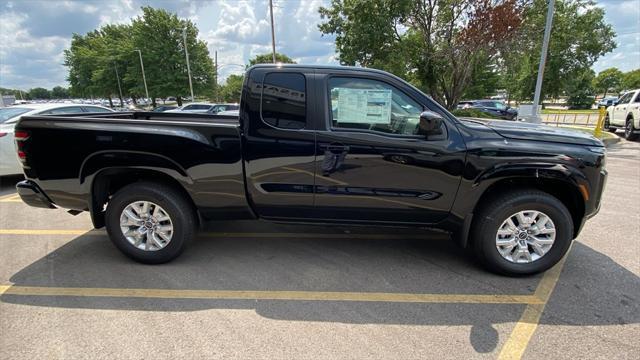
<point>205,108</point>
<point>193,108</point>
<point>9,163</point>
<point>625,114</point>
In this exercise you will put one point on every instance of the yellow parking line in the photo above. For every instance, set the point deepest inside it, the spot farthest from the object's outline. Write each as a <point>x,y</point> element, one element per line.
<point>11,198</point>
<point>269,295</point>
<point>519,339</point>
<point>231,234</point>
<point>41,232</point>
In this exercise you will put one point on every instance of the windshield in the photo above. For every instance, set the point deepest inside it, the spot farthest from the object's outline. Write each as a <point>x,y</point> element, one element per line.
<point>10,113</point>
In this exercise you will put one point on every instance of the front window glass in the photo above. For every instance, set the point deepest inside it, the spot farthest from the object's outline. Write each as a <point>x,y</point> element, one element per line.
<point>10,113</point>
<point>372,105</point>
<point>625,98</point>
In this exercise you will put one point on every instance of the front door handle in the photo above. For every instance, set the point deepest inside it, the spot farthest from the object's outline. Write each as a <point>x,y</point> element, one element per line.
<point>336,148</point>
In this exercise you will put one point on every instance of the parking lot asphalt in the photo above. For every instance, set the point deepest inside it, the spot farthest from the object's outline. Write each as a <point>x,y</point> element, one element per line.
<point>259,290</point>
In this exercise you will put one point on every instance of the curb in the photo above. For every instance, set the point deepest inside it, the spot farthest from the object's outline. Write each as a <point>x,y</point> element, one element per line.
<point>610,141</point>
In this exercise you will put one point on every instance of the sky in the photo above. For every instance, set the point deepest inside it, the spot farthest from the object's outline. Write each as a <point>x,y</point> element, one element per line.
<point>34,33</point>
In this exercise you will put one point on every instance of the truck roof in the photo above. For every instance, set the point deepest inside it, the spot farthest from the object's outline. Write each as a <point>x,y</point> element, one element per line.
<point>329,67</point>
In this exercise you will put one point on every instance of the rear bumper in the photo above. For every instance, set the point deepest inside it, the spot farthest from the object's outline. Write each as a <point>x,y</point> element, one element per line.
<point>32,195</point>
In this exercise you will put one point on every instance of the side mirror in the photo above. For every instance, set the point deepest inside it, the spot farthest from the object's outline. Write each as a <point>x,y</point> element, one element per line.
<point>430,124</point>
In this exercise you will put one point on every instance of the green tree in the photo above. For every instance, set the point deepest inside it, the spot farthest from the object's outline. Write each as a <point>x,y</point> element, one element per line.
<point>159,35</point>
<point>579,89</point>
<point>608,79</point>
<point>59,92</point>
<point>437,45</point>
<point>39,93</point>
<point>579,37</point>
<point>94,58</point>
<point>631,80</point>
<point>268,59</point>
<point>232,88</point>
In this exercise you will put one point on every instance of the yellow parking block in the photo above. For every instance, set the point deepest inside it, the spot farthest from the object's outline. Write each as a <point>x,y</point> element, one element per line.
<point>270,295</point>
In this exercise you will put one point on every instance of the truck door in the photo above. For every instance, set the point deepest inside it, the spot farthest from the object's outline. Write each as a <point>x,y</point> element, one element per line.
<point>278,145</point>
<point>372,165</point>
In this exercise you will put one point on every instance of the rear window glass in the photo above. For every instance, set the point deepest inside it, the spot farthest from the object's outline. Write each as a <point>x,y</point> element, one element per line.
<point>9,113</point>
<point>284,100</point>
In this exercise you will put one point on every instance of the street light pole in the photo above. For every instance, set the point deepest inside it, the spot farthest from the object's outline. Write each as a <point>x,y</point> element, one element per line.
<point>115,65</point>
<point>543,58</point>
<point>144,78</point>
<point>273,33</point>
<point>186,52</point>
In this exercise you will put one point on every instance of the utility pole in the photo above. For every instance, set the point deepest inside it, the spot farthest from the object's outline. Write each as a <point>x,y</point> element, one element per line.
<point>273,32</point>
<point>144,78</point>
<point>215,77</point>
<point>543,58</point>
<point>186,52</point>
<point>115,65</point>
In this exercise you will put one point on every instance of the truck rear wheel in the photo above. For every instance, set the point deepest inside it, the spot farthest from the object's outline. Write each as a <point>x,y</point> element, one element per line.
<point>151,223</point>
<point>522,232</point>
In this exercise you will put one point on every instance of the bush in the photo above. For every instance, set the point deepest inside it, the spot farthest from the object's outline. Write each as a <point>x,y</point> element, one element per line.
<point>473,113</point>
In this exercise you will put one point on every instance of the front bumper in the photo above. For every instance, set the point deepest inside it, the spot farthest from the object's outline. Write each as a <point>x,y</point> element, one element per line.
<point>32,195</point>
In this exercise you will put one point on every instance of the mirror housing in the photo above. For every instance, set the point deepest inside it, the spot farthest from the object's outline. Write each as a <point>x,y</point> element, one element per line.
<point>430,124</point>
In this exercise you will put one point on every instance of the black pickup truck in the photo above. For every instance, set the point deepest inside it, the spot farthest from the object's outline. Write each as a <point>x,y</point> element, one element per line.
<point>315,144</point>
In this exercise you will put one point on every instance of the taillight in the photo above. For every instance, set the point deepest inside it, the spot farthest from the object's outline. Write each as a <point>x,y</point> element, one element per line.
<point>3,134</point>
<point>20,136</point>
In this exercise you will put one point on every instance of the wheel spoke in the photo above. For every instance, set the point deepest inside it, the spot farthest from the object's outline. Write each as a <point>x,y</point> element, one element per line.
<point>145,208</point>
<point>537,248</point>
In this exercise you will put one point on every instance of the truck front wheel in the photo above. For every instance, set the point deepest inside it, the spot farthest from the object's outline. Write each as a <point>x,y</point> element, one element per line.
<point>151,223</point>
<point>522,232</point>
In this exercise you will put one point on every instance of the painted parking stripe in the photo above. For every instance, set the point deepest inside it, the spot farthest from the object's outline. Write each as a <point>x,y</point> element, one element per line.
<point>269,295</point>
<point>10,198</point>
<point>235,234</point>
<point>521,334</point>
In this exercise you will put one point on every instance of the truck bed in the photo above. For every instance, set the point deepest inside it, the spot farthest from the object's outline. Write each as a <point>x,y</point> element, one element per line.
<point>71,155</point>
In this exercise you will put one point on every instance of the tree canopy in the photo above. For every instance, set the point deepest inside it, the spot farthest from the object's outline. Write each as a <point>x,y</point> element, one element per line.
<point>268,59</point>
<point>608,80</point>
<point>93,59</point>
<point>451,48</point>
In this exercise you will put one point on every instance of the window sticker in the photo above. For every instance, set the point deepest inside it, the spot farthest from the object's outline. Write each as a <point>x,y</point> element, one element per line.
<point>363,106</point>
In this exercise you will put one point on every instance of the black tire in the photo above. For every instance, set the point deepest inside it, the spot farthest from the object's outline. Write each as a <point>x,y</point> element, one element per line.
<point>500,208</point>
<point>175,205</point>
<point>607,124</point>
<point>629,133</point>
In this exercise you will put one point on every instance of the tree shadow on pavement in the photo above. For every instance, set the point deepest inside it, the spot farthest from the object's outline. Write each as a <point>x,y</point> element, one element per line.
<point>592,290</point>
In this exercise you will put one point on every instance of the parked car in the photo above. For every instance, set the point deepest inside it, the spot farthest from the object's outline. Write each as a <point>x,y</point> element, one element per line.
<point>230,112</point>
<point>163,108</point>
<point>516,193</point>
<point>608,101</point>
<point>9,163</point>
<point>194,108</point>
<point>625,114</point>
<point>223,107</point>
<point>492,107</point>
